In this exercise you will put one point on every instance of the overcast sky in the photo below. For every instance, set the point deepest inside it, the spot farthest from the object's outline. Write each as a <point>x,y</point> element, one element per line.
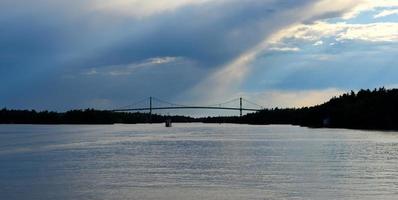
<point>66,54</point>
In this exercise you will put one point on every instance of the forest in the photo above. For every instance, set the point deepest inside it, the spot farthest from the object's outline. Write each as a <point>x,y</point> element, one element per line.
<point>87,116</point>
<point>365,109</point>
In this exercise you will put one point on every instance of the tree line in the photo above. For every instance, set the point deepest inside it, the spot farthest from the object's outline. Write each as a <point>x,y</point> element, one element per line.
<point>366,109</point>
<point>87,116</point>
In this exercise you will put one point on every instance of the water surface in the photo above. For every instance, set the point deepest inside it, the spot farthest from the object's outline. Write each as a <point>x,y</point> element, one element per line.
<point>196,161</point>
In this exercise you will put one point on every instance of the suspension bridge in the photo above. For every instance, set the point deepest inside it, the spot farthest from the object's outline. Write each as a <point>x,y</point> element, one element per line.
<point>150,104</point>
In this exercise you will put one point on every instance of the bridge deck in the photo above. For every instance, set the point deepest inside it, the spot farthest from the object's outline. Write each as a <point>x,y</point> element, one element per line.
<point>184,107</point>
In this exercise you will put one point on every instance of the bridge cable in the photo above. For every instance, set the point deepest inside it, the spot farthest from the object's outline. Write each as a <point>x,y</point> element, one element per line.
<point>166,102</point>
<point>250,102</point>
<point>133,104</point>
<point>220,104</point>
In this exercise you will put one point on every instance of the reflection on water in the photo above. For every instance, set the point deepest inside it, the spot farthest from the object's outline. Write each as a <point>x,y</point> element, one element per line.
<point>196,161</point>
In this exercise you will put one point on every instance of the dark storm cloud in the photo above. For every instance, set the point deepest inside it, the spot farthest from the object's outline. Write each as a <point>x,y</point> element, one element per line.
<point>211,34</point>
<point>43,41</point>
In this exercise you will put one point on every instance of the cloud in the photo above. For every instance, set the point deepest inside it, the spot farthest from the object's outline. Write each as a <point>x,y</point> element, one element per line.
<point>161,60</point>
<point>318,43</point>
<point>376,32</point>
<point>225,81</point>
<point>91,72</point>
<point>386,13</point>
<point>369,5</point>
<point>346,65</point>
<point>284,49</point>
<point>139,8</point>
<point>373,32</point>
<point>128,69</point>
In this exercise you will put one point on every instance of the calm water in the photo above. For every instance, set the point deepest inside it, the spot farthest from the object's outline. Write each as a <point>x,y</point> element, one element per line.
<point>196,161</point>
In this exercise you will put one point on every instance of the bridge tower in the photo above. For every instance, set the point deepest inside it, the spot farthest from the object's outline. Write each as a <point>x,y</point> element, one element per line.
<point>150,110</point>
<point>240,108</point>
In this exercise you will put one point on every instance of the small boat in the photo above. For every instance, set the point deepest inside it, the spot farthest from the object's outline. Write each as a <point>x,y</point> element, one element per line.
<point>168,123</point>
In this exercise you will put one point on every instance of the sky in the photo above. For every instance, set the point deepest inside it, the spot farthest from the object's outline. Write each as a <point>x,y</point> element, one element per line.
<point>69,54</point>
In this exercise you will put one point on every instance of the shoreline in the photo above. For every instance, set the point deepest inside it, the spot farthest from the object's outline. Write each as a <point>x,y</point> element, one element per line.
<point>159,123</point>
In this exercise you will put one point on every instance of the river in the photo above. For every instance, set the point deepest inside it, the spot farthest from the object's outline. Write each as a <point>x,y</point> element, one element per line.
<point>196,161</point>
